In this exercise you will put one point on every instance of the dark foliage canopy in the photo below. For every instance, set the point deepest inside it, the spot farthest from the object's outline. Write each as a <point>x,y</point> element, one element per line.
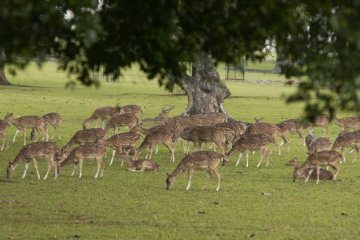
<point>316,40</point>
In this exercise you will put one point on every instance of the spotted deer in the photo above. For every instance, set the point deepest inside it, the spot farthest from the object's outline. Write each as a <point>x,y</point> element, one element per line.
<point>146,165</point>
<point>164,135</point>
<point>269,129</point>
<point>257,142</point>
<point>318,159</point>
<point>4,125</point>
<point>132,109</point>
<point>96,150</point>
<point>289,126</point>
<point>208,161</point>
<point>51,119</point>
<point>29,122</point>
<point>31,152</point>
<point>122,120</point>
<point>146,131</point>
<point>102,115</point>
<point>321,121</point>
<point>314,144</point>
<point>301,172</point>
<point>84,136</point>
<point>160,118</point>
<point>348,139</point>
<point>347,123</point>
<point>121,141</point>
<point>238,128</point>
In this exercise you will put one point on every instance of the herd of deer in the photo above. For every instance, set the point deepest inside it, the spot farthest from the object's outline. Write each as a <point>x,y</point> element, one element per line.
<point>199,129</point>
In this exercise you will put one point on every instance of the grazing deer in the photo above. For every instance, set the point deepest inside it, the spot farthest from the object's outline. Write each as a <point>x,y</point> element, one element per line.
<point>29,122</point>
<point>96,150</point>
<point>269,129</point>
<point>314,144</point>
<point>238,128</point>
<point>289,126</point>
<point>316,160</point>
<point>51,119</point>
<point>146,131</point>
<point>126,119</point>
<point>347,123</point>
<point>120,141</point>
<point>349,139</point>
<point>146,165</point>
<point>208,161</point>
<point>321,121</point>
<point>257,142</point>
<point>301,172</point>
<point>101,115</point>
<point>33,151</point>
<point>164,135</point>
<point>86,136</point>
<point>4,124</point>
<point>132,109</point>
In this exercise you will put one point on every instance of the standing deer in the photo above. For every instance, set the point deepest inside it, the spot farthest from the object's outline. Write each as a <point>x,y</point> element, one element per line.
<point>86,136</point>
<point>121,141</point>
<point>301,172</point>
<point>96,150</point>
<point>33,151</point>
<point>132,109</point>
<point>257,142</point>
<point>126,119</point>
<point>208,161</point>
<point>102,115</point>
<point>289,126</point>
<point>347,123</point>
<point>4,125</point>
<point>314,144</point>
<point>51,119</point>
<point>349,139</point>
<point>316,160</point>
<point>29,122</point>
<point>321,121</point>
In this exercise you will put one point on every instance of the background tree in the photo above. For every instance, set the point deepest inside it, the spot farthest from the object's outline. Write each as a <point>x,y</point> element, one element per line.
<point>318,41</point>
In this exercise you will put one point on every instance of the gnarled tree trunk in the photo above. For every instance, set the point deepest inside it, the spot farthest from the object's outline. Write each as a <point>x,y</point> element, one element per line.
<point>204,90</point>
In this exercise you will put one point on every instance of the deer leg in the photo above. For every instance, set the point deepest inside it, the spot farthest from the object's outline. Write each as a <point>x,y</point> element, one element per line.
<point>247,158</point>
<point>216,172</point>
<point>309,174</point>
<point>343,154</point>
<point>36,168</point>
<point>209,176</point>
<point>7,141</point>
<point>171,149</point>
<point>24,134</point>
<point>261,157</point>
<point>337,169</point>
<point>267,157</point>
<point>16,133</point>
<point>80,168</point>
<point>3,145</point>
<point>113,156</point>
<point>25,171</point>
<point>190,174</point>
<point>49,168</point>
<point>238,161</point>
<point>156,148</point>
<point>317,174</point>
<point>76,165</point>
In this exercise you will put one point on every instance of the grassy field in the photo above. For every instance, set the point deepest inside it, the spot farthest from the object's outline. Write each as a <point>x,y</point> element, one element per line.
<point>128,205</point>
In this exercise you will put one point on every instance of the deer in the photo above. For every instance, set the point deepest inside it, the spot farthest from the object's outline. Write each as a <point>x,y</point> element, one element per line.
<point>160,118</point>
<point>348,139</point>
<point>102,115</point>
<point>301,172</point>
<point>125,119</point>
<point>132,109</point>
<point>289,126</point>
<point>238,128</point>
<point>145,131</point>
<point>4,125</point>
<point>269,129</point>
<point>164,135</point>
<point>257,142</point>
<point>201,134</point>
<point>31,152</point>
<point>316,160</point>
<point>208,161</point>
<point>314,144</point>
<point>51,119</point>
<point>347,123</point>
<point>96,150</point>
<point>146,165</point>
<point>86,136</point>
<point>120,141</point>
<point>29,122</point>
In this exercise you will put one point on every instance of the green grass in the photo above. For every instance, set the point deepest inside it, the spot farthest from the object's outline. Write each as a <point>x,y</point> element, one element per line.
<point>128,205</point>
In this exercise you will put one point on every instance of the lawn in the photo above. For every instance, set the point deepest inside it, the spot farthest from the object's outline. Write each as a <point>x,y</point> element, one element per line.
<point>253,203</point>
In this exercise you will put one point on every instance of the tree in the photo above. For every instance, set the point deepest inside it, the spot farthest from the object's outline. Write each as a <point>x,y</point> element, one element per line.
<point>318,40</point>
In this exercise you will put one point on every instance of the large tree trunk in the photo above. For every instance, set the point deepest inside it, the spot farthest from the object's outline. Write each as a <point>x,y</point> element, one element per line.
<point>3,80</point>
<point>205,91</point>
